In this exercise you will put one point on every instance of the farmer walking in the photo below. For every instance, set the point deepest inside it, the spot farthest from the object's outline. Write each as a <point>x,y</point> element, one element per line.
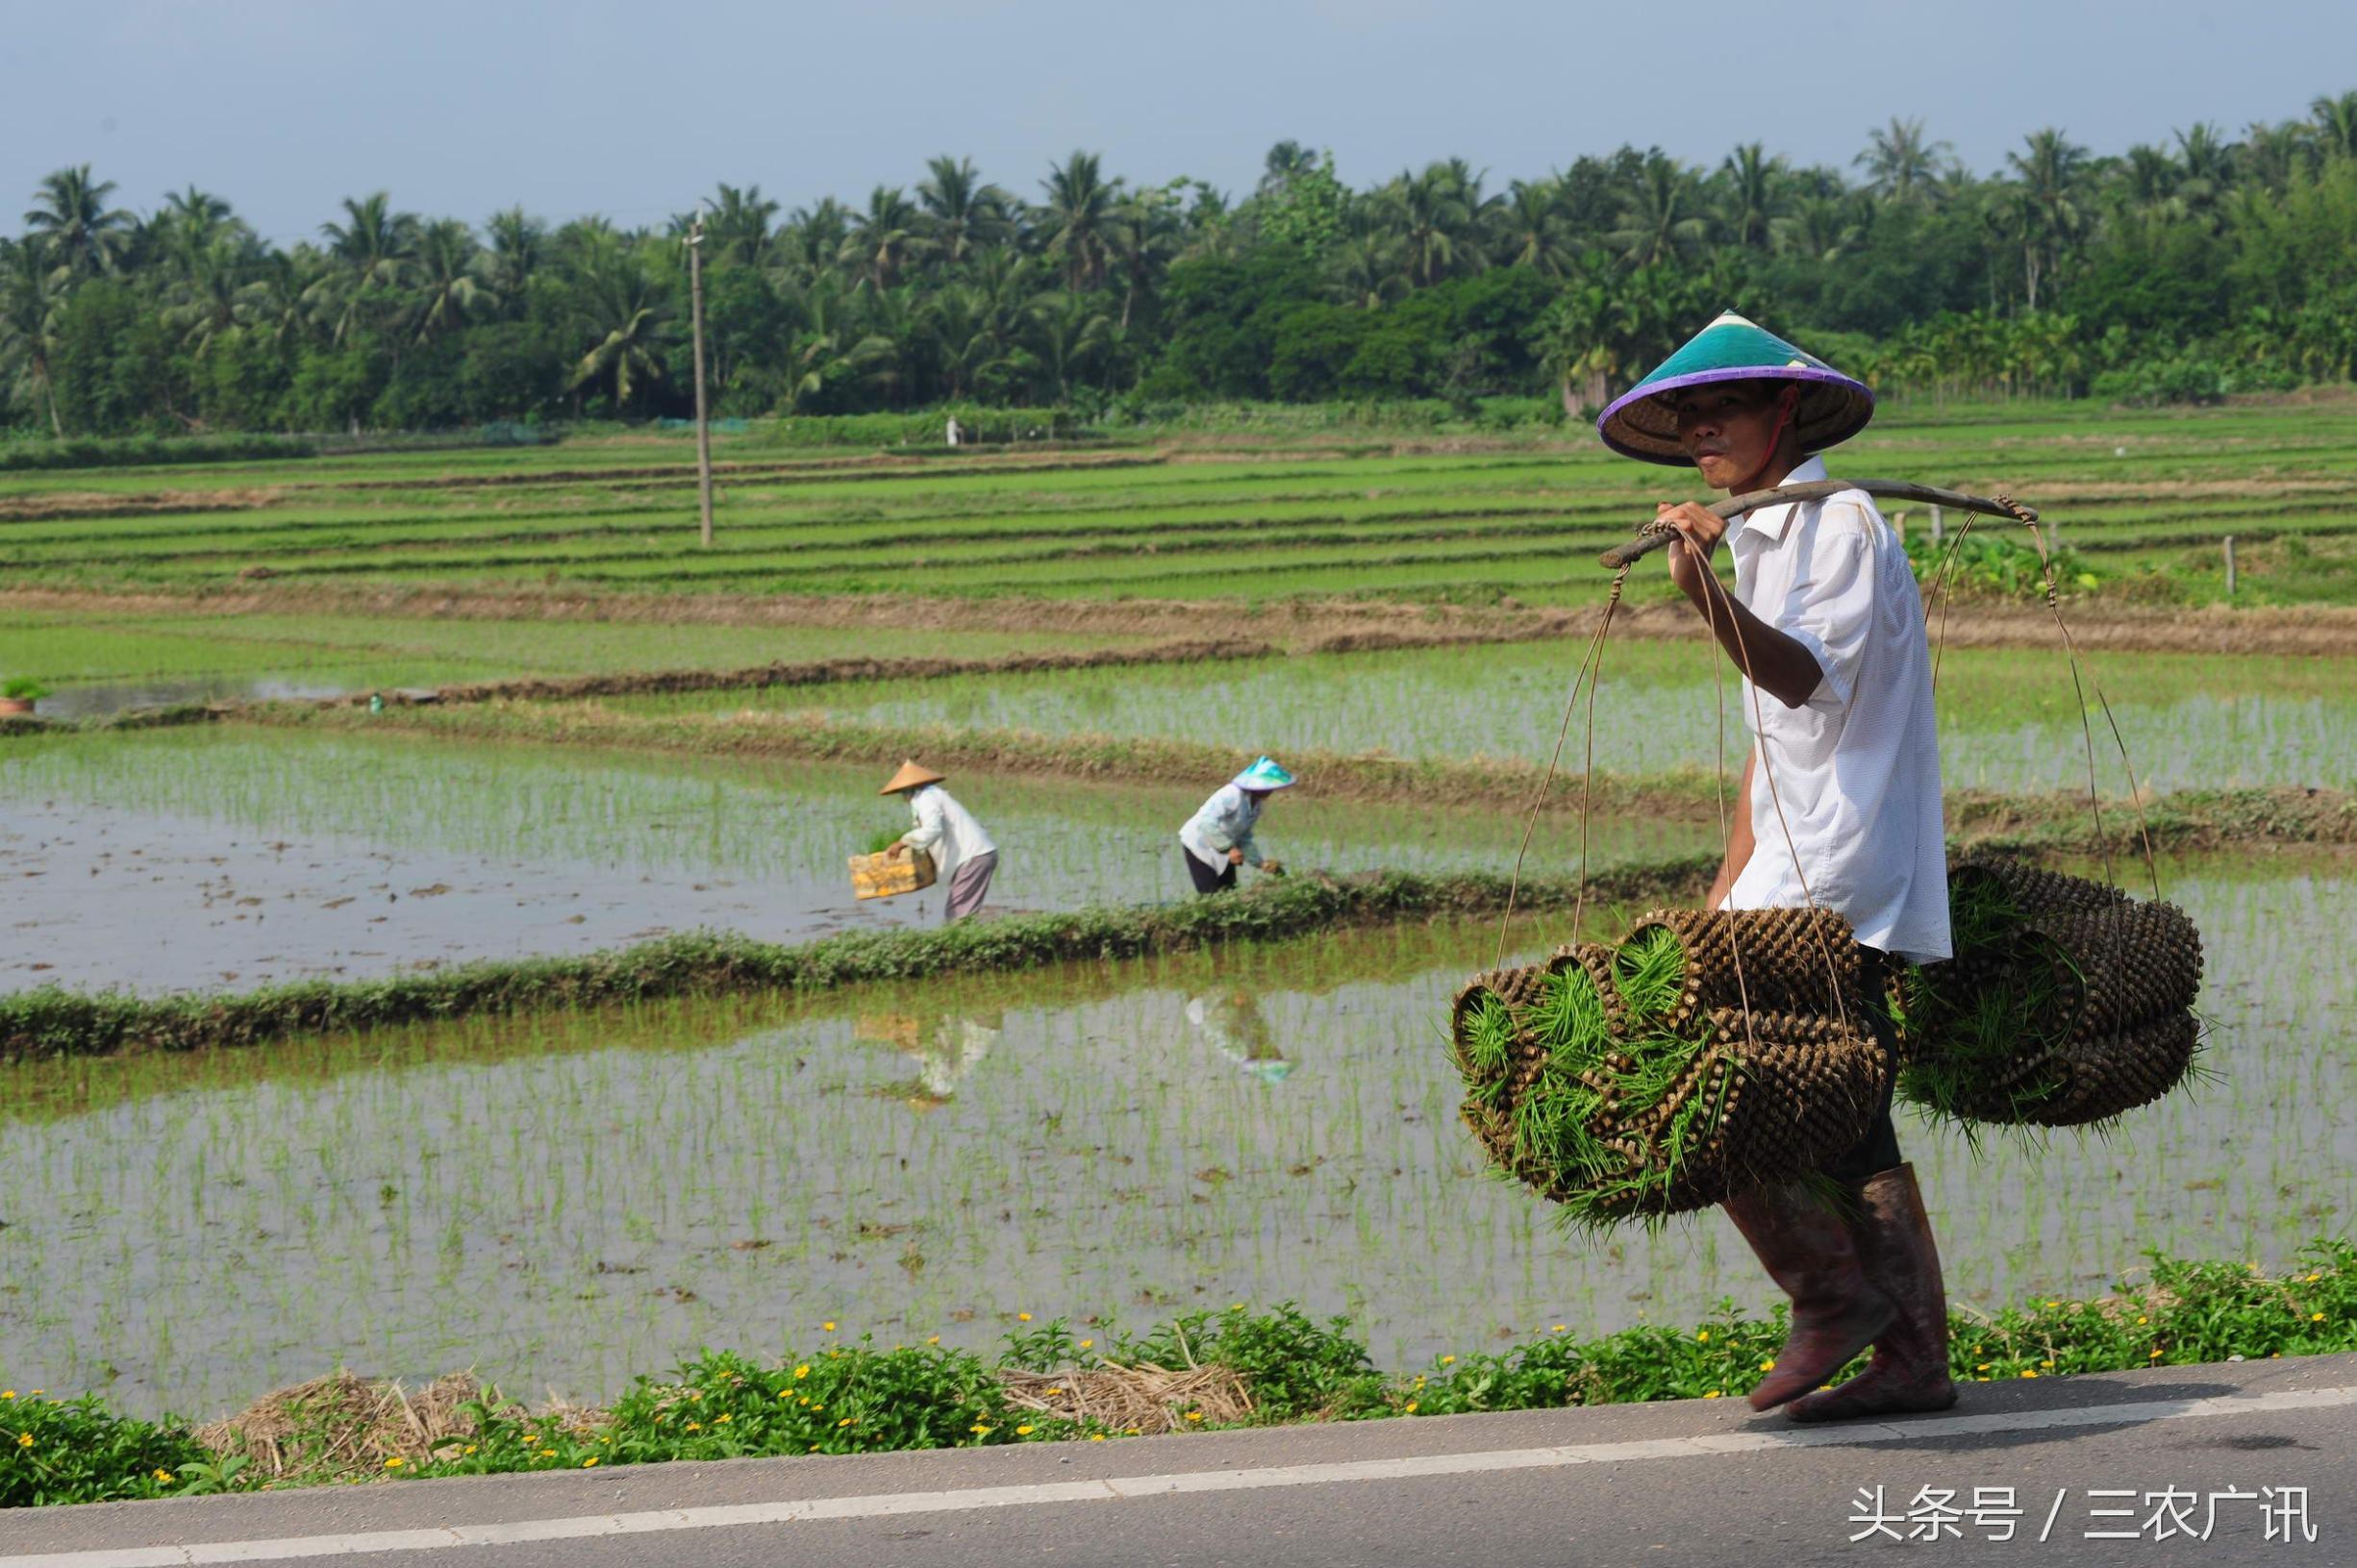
<point>1843,786</point>
<point>962,853</point>
<point>1219,837</point>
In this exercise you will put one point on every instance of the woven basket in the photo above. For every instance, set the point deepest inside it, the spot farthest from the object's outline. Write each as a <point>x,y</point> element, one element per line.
<point>2097,990</point>
<point>1668,1111</point>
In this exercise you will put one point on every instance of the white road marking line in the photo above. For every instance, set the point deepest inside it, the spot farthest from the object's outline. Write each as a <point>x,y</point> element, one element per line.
<point>744,1514</point>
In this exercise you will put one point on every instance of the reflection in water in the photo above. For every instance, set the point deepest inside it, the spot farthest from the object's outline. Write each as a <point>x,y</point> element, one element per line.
<point>946,1045</point>
<point>1231,1022</point>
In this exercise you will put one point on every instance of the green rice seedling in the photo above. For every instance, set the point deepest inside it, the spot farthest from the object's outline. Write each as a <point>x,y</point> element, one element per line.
<point>1648,973</point>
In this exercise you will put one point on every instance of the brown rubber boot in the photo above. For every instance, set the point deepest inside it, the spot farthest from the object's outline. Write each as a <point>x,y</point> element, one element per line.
<point>1910,1367</point>
<point>1807,1248</point>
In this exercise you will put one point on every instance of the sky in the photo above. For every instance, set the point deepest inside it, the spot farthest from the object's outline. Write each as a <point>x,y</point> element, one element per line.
<point>464,107</point>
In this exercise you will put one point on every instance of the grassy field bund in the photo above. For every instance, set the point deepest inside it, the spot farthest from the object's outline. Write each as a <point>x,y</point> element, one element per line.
<point>561,1052</point>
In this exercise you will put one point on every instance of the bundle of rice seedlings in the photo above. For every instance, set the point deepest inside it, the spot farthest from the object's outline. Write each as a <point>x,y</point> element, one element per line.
<point>2066,1002</point>
<point>1704,1053</point>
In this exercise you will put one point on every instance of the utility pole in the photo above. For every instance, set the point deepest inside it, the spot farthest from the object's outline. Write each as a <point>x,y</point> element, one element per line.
<point>703,426</point>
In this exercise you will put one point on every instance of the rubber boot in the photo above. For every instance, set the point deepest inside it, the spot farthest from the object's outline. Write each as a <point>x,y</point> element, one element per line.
<point>1909,1371</point>
<point>1802,1241</point>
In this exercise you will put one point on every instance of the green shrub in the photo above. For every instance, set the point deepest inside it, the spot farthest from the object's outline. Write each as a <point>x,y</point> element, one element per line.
<point>78,1451</point>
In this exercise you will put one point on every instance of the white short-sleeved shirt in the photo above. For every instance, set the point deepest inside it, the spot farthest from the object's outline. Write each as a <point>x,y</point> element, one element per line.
<point>945,830</point>
<point>1856,768</point>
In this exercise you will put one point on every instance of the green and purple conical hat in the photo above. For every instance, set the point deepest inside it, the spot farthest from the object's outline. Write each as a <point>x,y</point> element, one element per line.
<point>1642,422</point>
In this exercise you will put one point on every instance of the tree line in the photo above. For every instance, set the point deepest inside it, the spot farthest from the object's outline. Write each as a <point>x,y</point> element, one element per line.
<point>2186,271</point>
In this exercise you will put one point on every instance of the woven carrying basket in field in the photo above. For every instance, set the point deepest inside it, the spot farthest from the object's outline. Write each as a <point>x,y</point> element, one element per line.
<point>2067,1000</point>
<point>1704,1053</point>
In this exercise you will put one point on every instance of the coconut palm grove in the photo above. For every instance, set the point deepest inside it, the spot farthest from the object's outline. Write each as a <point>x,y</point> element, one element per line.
<point>2217,263</point>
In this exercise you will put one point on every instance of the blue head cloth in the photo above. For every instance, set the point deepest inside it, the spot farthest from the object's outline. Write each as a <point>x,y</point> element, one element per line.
<point>1264,774</point>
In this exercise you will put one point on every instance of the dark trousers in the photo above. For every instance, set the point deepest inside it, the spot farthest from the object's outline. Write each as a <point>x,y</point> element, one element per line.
<point>1878,1150</point>
<point>1208,880</point>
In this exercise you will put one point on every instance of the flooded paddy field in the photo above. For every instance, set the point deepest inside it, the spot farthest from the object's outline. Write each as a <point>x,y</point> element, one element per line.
<point>105,663</point>
<point>564,1201</point>
<point>2009,717</point>
<point>225,858</point>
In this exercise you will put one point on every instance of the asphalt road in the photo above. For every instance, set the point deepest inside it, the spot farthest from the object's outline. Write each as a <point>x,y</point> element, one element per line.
<point>2248,1463</point>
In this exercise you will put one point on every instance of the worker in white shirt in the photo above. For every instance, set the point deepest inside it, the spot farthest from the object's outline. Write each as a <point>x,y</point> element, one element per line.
<point>1843,786</point>
<point>1219,837</point>
<point>963,855</point>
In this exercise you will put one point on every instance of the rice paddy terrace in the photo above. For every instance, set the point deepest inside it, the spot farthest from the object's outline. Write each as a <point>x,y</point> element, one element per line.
<point>642,737</point>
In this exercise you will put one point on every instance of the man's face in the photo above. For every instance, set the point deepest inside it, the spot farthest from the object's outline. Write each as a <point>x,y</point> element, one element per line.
<point>1729,429</point>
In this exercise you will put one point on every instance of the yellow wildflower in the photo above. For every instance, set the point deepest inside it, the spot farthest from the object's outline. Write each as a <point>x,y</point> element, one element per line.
<point>1712,1394</point>
<point>847,1420</point>
<point>1558,1328</point>
<point>722,1420</point>
<point>163,1475</point>
<point>1088,1344</point>
<point>8,1393</point>
<point>801,1372</point>
<point>1195,1415</point>
<point>590,1463</point>
<point>979,1430</point>
<point>2316,1317</point>
<point>1096,1437</point>
<point>395,1462</point>
<point>695,1426</point>
<point>1767,1365</point>
<point>2154,1356</point>
<point>828,1327</point>
<point>1022,1317</point>
<point>1445,1359</point>
<point>1410,1407</point>
<point>1022,1431</point>
<point>1702,1336</point>
<point>2027,1373</point>
<point>933,1340</point>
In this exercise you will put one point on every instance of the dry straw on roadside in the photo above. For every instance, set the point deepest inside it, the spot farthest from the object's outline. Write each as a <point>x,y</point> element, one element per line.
<point>345,1426</point>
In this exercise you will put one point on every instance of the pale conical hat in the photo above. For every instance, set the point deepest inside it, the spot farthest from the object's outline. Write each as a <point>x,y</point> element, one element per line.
<point>910,776</point>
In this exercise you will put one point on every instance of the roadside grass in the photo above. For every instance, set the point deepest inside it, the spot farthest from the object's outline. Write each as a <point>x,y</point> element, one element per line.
<point>1057,1382</point>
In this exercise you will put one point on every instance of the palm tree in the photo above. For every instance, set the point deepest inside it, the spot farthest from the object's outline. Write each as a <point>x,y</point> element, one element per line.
<point>1286,162</point>
<point>375,242</point>
<point>1365,270</point>
<point>29,306</point>
<point>1069,330</point>
<point>1080,213</point>
<point>2335,125</point>
<point>518,244</point>
<point>1819,227</point>
<point>1432,215</point>
<point>2046,213</point>
<point>627,318</point>
<point>1140,243</point>
<point>1900,165</point>
<point>81,235</point>
<point>1663,214</point>
<point>450,294</point>
<point>1531,226</point>
<point>205,300</point>
<point>1752,202</point>
<point>962,211</point>
<point>884,238</point>
<point>807,246</point>
<point>738,227</point>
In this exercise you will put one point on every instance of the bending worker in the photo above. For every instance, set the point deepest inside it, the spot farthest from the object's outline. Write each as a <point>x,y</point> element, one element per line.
<point>962,853</point>
<point>1843,786</point>
<point>1219,837</point>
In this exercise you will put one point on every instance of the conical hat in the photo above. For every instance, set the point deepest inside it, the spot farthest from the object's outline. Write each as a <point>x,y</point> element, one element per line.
<point>1264,775</point>
<point>910,776</point>
<point>1642,422</point>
